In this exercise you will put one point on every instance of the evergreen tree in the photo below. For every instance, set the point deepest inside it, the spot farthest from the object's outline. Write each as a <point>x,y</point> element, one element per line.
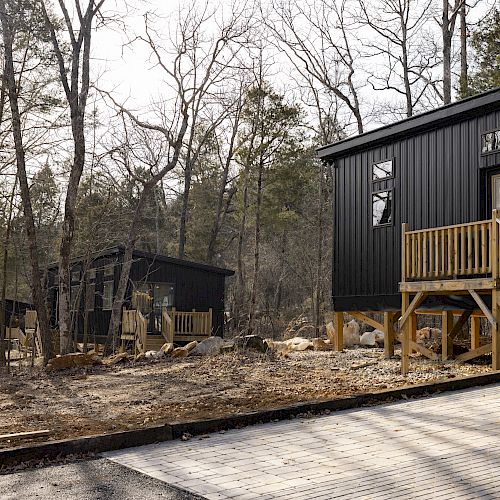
<point>485,41</point>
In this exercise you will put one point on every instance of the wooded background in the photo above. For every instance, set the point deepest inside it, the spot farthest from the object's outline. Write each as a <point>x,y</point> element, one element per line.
<point>220,166</point>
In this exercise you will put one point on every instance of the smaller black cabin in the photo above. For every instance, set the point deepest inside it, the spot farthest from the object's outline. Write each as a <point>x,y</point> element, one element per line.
<point>167,282</point>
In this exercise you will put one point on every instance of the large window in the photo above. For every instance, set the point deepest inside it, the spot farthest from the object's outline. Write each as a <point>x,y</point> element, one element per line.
<point>90,296</point>
<point>382,170</point>
<point>107,295</point>
<point>490,142</point>
<point>382,208</point>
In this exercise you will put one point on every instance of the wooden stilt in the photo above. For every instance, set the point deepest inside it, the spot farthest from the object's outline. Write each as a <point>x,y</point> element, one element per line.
<point>475,331</point>
<point>495,330</point>
<point>388,335</point>
<point>446,340</point>
<point>338,323</point>
<point>412,321</point>
<point>405,335</point>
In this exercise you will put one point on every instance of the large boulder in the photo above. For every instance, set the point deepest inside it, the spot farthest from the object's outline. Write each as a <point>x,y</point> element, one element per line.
<point>191,345</point>
<point>208,347</point>
<point>321,345</point>
<point>117,358</point>
<point>351,334</point>
<point>180,352</point>
<point>372,339</point>
<point>73,360</point>
<point>252,342</point>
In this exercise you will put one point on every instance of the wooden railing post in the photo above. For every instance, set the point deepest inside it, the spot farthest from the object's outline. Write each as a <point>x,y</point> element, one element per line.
<point>404,228</point>
<point>494,244</point>
<point>209,330</point>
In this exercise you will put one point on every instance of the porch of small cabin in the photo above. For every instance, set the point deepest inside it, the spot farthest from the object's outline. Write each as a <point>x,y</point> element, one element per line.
<point>460,262</point>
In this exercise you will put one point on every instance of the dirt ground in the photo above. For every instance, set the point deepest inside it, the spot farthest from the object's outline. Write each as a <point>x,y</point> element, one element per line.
<point>99,399</point>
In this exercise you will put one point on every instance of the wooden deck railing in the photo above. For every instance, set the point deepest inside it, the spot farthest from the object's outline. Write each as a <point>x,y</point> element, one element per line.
<point>186,325</point>
<point>448,252</point>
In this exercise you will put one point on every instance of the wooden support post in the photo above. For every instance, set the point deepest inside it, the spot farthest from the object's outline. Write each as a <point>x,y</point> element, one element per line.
<point>338,324</point>
<point>495,330</point>
<point>412,323</point>
<point>388,335</point>
<point>405,335</point>
<point>475,332</point>
<point>446,340</point>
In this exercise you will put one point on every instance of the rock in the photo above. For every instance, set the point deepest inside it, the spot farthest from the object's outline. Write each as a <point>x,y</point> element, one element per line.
<point>372,339</point>
<point>180,352</point>
<point>320,345</point>
<point>296,341</point>
<point>252,342</point>
<point>351,334</point>
<point>191,345</point>
<point>330,331</point>
<point>117,358</point>
<point>302,346</point>
<point>208,347</point>
<point>150,354</point>
<point>167,347</point>
<point>281,347</point>
<point>73,360</point>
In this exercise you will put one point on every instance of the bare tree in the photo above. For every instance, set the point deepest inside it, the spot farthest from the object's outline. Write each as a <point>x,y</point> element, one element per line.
<point>198,64</point>
<point>447,24</point>
<point>36,276</point>
<point>317,41</point>
<point>75,81</point>
<point>400,39</point>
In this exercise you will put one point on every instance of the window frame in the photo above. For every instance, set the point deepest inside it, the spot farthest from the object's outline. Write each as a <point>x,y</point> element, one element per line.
<point>481,135</point>
<point>392,159</point>
<point>386,224</point>
<point>104,294</point>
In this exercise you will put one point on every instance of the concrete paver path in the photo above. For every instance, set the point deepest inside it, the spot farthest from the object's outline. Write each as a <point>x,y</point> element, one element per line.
<point>445,446</point>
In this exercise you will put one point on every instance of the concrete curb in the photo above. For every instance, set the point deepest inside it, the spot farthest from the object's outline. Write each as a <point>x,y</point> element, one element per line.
<point>126,439</point>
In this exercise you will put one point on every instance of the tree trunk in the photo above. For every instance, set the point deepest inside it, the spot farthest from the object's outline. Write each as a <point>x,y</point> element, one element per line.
<point>37,289</point>
<point>319,263</point>
<point>185,208</point>
<point>255,282</point>
<point>464,79</point>
<point>3,302</point>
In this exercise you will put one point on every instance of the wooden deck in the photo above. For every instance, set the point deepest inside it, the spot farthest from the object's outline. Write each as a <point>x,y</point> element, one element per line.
<point>462,259</point>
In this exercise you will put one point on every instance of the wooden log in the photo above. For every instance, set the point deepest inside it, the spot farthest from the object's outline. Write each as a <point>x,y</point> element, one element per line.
<point>25,435</point>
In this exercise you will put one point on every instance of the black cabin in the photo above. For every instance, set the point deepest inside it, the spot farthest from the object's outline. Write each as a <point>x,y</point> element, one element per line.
<point>169,282</point>
<point>439,168</point>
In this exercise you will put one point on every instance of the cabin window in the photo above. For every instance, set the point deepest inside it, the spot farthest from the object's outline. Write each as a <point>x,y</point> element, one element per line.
<point>107,295</point>
<point>490,142</point>
<point>109,271</point>
<point>382,208</point>
<point>91,274</point>
<point>382,170</point>
<point>75,276</point>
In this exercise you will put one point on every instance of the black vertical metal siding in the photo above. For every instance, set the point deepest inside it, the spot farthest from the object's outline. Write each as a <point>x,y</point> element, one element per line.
<point>195,288</point>
<point>440,179</point>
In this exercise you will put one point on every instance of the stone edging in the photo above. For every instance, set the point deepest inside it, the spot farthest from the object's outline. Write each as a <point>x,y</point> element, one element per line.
<point>54,450</point>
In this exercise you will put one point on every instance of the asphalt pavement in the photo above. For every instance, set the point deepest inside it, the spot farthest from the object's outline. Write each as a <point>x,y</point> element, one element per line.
<point>96,479</point>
